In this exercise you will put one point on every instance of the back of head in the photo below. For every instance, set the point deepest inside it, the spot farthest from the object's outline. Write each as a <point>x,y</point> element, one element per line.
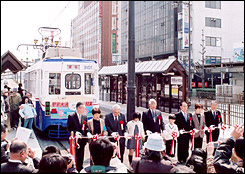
<point>52,163</point>
<point>198,161</point>
<point>3,127</point>
<point>17,146</point>
<point>101,151</point>
<point>50,149</point>
<point>239,147</point>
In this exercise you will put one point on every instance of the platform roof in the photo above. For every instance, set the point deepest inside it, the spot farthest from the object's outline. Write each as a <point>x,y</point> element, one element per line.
<point>9,61</point>
<point>159,66</point>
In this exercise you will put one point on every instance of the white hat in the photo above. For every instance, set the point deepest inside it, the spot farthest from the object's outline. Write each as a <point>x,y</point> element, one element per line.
<point>155,142</point>
<point>14,90</point>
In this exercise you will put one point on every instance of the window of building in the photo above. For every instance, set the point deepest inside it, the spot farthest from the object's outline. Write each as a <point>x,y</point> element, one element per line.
<point>213,41</point>
<point>213,4</point>
<point>213,60</point>
<point>54,83</point>
<point>72,81</point>
<point>212,22</point>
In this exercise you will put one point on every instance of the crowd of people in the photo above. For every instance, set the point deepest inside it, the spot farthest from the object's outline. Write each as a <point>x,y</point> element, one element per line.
<point>152,145</point>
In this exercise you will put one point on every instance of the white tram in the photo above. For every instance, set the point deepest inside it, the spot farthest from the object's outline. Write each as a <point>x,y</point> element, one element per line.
<point>57,82</point>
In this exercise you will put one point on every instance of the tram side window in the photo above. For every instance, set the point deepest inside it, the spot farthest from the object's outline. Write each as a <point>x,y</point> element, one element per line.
<point>72,81</point>
<point>54,83</point>
<point>89,83</point>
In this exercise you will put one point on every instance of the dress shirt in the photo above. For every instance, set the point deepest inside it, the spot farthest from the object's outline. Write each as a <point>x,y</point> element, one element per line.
<point>79,117</point>
<point>185,115</point>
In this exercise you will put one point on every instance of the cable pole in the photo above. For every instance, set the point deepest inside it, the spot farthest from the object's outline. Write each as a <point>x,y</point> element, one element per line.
<point>203,57</point>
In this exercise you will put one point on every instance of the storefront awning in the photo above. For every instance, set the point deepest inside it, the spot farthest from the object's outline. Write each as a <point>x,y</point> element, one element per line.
<point>159,66</point>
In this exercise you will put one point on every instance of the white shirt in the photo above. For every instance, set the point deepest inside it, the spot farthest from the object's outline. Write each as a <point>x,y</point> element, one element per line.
<point>131,126</point>
<point>152,112</point>
<point>167,133</point>
<point>79,117</point>
<point>184,115</point>
<point>15,161</point>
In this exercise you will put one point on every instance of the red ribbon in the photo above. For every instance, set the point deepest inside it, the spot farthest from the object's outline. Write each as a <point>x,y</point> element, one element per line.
<point>73,147</point>
<point>117,138</point>
<point>95,137</point>
<point>121,123</point>
<point>223,128</point>
<point>137,148</point>
<point>84,122</point>
<point>190,121</point>
<point>159,119</point>
<point>192,132</point>
<point>174,135</point>
<point>210,131</point>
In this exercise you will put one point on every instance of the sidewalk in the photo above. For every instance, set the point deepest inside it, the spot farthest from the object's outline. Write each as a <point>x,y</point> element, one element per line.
<point>32,143</point>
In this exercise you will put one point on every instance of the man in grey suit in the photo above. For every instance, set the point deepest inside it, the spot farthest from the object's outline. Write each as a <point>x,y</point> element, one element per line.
<point>199,121</point>
<point>116,122</point>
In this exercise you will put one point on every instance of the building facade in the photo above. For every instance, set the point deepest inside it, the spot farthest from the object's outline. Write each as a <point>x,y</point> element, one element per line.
<point>155,30</point>
<point>95,31</point>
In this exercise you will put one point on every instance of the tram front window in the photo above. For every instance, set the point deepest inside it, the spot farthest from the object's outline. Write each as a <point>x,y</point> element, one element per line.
<point>72,81</point>
<point>54,83</point>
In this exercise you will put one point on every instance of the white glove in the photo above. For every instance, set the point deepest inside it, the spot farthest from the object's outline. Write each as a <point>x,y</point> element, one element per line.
<point>127,136</point>
<point>114,134</point>
<point>89,135</point>
<point>148,132</point>
<point>78,134</point>
<point>196,130</point>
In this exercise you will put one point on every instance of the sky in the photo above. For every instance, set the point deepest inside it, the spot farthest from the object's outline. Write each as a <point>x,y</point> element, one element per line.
<point>20,21</point>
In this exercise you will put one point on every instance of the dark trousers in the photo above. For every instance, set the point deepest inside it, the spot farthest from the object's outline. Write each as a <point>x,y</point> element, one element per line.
<point>80,156</point>
<point>198,142</point>
<point>183,147</point>
<point>215,135</point>
<point>14,118</point>
<point>122,146</point>
<point>168,147</point>
<point>22,121</point>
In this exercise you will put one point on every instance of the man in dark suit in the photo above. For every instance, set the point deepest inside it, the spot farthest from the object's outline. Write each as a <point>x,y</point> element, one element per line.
<point>18,154</point>
<point>212,118</point>
<point>77,122</point>
<point>183,123</point>
<point>113,124</point>
<point>150,118</point>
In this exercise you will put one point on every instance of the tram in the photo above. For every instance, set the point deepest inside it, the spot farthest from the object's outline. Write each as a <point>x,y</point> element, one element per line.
<point>57,82</point>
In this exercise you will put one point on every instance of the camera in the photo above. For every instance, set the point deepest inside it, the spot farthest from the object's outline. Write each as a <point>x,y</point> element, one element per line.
<point>67,158</point>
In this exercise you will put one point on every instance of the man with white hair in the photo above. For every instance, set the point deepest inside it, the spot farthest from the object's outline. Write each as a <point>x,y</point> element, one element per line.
<point>152,118</point>
<point>116,122</point>
<point>213,117</point>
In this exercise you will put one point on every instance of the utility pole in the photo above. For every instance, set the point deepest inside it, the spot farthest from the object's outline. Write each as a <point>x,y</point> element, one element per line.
<point>131,63</point>
<point>202,53</point>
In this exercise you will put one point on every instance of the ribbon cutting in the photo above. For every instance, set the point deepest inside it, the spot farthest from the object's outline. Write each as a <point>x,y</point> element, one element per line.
<point>137,148</point>
<point>192,132</point>
<point>174,135</point>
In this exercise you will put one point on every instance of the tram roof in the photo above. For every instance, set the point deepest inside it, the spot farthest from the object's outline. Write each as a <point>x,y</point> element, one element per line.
<point>158,66</point>
<point>9,61</point>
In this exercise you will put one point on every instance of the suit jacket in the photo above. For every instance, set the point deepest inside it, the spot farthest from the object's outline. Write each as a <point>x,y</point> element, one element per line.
<point>181,123</point>
<point>74,125</point>
<point>198,125</point>
<point>91,125</point>
<point>15,167</point>
<point>151,123</point>
<point>209,118</point>
<point>111,126</point>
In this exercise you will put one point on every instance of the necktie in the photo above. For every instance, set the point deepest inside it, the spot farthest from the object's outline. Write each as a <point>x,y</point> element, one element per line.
<point>214,114</point>
<point>153,114</point>
<point>136,129</point>
<point>185,116</point>
<point>116,122</point>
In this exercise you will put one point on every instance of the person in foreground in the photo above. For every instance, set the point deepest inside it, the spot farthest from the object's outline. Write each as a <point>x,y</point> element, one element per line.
<point>101,151</point>
<point>18,154</point>
<point>233,146</point>
<point>153,161</point>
